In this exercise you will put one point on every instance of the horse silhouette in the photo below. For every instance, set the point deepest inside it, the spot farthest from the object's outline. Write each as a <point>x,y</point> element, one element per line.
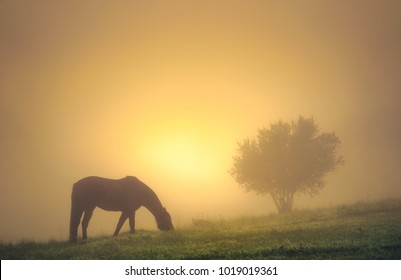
<point>125,195</point>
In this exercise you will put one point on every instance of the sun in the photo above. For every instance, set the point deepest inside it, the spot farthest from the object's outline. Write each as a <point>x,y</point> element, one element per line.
<point>183,148</point>
<point>185,157</point>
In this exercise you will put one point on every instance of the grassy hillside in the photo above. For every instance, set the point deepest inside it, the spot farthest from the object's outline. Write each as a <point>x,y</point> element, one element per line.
<point>359,231</point>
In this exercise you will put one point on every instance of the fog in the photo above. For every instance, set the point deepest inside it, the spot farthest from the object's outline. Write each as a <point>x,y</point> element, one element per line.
<point>164,90</point>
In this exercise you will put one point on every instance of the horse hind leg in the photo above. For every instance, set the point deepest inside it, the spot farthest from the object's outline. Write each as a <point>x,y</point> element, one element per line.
<point>85,223</point>
<point>75,219</point>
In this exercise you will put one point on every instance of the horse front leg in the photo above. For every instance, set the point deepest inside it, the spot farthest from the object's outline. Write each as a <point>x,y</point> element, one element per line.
<point>132,222</point>
<point>120,223</point>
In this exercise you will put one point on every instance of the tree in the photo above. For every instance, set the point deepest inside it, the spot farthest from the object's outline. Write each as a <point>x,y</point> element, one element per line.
<point>286,159</point>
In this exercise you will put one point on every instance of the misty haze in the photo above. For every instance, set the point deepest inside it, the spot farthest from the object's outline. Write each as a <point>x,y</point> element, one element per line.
<point>167,91</point>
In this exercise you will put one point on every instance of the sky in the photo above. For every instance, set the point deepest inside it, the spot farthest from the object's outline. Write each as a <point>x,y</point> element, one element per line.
<point>165,90</point>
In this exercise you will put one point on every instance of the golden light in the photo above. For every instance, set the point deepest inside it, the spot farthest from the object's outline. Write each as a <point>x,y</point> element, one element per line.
<point>185,157</point>
<point>184,154</point>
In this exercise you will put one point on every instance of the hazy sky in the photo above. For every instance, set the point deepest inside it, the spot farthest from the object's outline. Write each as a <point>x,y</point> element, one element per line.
<point>164,90</point>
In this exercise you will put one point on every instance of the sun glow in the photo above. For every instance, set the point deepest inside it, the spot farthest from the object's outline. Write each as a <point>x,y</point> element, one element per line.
<point>184,156</point>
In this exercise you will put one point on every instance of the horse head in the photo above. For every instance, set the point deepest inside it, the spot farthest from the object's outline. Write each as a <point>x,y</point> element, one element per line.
<point>164,221</point>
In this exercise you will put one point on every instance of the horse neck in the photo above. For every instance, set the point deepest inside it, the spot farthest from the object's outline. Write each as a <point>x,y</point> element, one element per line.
<point>154,205</point>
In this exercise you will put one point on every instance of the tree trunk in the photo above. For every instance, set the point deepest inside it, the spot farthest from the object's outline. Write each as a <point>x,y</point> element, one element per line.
<point>284,201</point>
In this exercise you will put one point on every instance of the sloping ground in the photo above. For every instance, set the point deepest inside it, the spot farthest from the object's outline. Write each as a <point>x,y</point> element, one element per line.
<point>359,231</point>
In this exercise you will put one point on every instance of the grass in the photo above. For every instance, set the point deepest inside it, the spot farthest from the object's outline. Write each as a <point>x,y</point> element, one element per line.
<point>359,231</point>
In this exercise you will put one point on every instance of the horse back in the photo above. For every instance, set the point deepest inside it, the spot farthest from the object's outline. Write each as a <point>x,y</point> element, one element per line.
<point>108,194</point>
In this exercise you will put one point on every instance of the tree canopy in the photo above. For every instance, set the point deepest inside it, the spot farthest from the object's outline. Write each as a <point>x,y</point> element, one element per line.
<point>285,159</point>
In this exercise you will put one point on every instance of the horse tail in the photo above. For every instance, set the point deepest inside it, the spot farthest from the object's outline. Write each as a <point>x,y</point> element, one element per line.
<point>75,217</point>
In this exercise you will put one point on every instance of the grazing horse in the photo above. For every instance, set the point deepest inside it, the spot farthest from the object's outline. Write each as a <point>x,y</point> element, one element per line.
<point>125,195</point>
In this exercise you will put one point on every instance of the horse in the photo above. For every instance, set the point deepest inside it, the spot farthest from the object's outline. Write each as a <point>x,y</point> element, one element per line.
<point>125,195</point>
